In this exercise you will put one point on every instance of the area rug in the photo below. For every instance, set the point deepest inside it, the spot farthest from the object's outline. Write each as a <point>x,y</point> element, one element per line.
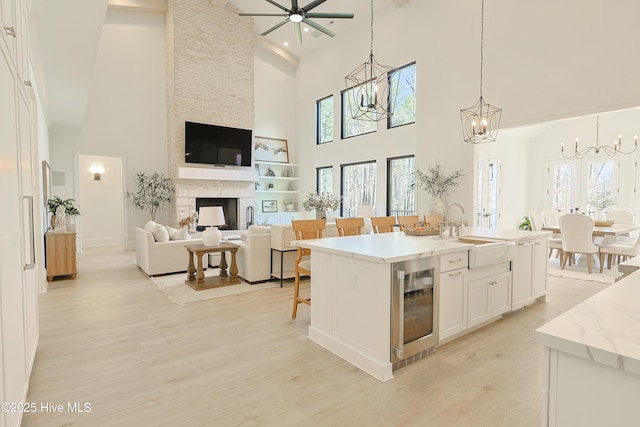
<point>180,293</point>
<point>580,272</point>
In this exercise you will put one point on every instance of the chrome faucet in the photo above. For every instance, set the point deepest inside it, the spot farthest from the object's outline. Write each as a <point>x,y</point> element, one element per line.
<point>453,228</point>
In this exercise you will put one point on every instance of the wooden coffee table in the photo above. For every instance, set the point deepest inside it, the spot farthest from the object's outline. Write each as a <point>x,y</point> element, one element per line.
<point>195,277</point>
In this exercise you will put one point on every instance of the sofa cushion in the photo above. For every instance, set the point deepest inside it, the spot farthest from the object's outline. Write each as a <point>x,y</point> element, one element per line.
<point>178,234</point>
<point>149,225</point>
<point>259,229</point>
<point>160,233</point>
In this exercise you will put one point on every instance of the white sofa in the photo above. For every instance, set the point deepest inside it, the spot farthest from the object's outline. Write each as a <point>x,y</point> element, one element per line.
<point>254,254</point>
<point>161,257</point>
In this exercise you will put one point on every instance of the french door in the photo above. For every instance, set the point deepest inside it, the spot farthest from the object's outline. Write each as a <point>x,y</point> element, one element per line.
<point>489,176</point>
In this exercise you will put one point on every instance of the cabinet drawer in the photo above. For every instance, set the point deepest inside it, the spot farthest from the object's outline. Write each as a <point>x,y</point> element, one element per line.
<point>454,261</point>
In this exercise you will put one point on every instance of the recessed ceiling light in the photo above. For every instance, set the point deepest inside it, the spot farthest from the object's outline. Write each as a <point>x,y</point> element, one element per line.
<point>306,29</point>
<point>286,44</point>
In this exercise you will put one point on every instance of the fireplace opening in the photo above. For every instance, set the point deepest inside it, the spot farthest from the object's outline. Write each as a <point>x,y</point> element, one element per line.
<point>229,206</point>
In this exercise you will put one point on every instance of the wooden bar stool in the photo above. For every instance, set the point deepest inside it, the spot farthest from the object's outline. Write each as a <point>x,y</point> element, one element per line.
<point>408,221</point>
<point>383,224</point>
<point>350,226</point>
<point>304,229</point>
<point>432,221</point>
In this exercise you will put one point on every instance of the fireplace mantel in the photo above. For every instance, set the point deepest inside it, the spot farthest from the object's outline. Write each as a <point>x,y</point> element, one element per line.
<point>218,174</point>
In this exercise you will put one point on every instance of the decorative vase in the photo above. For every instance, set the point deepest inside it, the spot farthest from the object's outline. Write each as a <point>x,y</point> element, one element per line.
<point>600,215</point>
<point>321,214</point>
<point>70,224</point>
<point>438,206</point>
<point>211,236</point>
<point>289,207</point>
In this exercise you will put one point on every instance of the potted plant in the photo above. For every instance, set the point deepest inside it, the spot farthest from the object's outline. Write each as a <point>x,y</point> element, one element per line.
<point>437,183</point>
<point>322,204</point>
<point>70,211</point>
<point>155,192</point>
<point>525,224</point>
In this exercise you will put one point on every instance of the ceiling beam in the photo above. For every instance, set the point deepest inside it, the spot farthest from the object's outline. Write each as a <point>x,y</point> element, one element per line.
<point>274,49</point>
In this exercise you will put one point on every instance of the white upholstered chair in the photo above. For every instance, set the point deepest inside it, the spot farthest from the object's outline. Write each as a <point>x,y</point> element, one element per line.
<point>577,238</point>
<point>621,217</point>
<point>550,218</point>
<point>555,242</point>
<point>620,250</point>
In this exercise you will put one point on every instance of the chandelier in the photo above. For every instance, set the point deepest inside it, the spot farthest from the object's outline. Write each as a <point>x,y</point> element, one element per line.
<point>368,90</point>
<point>609,150</point>
<point>480,122</point>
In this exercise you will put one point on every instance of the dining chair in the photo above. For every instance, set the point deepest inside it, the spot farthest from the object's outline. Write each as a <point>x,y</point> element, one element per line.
<point>620,250</point>
<point>383,224</point>
<point>350,226</point>
<point>550,218</point>
<point>304,229</point>
<point>621,217</point>
<point>577,238</point>
<point>408,221</point>
<point>432,220</point>
<point>555,241</point>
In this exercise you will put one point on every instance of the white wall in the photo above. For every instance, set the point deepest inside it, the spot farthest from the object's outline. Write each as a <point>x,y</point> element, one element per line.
<point>126,115</point>
<point>101,219</point>
<point>543,60</point>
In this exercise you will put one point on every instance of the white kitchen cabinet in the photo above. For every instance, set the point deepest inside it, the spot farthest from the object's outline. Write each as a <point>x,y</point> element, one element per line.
<point>488,297</point>
<point>453,303</point>
<point>282,218</point>
<point>529,272</point>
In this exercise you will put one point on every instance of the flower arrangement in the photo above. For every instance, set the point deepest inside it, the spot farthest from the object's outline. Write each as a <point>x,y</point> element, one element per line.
<point>325,202</point>
<point>601,199</point>
<point>436,182</point>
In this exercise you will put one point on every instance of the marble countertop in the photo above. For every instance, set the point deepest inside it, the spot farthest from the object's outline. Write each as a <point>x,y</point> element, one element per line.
<point>605,328</point>
<point>511,235</point>
<point>384,247</point>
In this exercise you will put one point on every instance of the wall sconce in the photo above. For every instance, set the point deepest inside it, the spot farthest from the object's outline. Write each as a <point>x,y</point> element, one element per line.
<point>97,172</point>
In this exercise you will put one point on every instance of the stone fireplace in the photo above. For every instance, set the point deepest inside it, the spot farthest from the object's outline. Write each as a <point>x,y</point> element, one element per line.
<point>210,82</point>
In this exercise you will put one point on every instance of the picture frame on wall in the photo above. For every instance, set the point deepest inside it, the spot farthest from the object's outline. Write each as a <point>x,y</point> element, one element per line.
<point>270,149</point>
<point>269,206</point>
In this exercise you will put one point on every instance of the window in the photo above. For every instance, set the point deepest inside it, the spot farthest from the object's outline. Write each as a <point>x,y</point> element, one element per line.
<point>400,191</point>
<point>563,186</point>
<point>402,83</point>
<point>324,120</point>
<point>358,187</point>
<point>350,126</point>
<point>324,179</point>
<point>599,180</point>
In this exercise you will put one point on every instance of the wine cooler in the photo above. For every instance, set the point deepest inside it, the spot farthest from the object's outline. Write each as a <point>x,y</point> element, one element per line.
<point>414,307</point>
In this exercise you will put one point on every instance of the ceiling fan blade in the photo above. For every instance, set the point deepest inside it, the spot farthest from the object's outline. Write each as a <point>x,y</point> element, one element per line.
<point>330,15</point>
<point>319,27</point>
<point>313,4</point>
<point>298,30</point>
<point>279,5</point>
<point>294,4</point>
<point>263,14</point>
<point>275,27</point>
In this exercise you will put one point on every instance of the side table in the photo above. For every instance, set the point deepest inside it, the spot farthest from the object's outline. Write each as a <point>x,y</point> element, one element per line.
<point>195,277</point>
<point>281,252</point>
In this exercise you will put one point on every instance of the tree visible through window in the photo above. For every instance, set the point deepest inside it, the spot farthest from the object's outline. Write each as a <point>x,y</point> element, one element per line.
<point>358,187</point>
<point>324,120</point>
<point>400,192</point>
<point>563,187</point>
<point>403,87</point>
<point>600,180</point>
<point>324,180</point>
<point>350,126</point>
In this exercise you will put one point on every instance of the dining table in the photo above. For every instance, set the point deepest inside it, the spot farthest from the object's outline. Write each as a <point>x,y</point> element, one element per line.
<point>599,231</point>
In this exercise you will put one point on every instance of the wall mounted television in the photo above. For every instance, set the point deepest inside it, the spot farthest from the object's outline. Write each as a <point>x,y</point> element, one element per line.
<point>217,145</point>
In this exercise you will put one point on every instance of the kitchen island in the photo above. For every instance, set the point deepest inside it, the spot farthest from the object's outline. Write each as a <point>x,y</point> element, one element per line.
<point>591,372</point>
<point>352,297</point>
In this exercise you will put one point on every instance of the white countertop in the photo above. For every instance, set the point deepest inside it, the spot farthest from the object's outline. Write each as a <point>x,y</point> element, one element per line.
<point>605,328</point>
<point>384,247</point>
<point>511,235</point>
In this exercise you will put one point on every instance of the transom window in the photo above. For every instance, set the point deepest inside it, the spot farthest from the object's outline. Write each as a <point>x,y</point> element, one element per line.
<point>350,126</point>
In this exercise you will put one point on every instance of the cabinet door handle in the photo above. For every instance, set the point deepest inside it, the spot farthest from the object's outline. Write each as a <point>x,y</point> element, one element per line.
<point>457,273</point>
<point>451,261</point>
<point>525,243</point>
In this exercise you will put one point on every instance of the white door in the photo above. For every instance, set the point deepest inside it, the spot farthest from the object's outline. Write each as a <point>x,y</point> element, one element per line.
<point>562,185</point>
<point>489,175</point>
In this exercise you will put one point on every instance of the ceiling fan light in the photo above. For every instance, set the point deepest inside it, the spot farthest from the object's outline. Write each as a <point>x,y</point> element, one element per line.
<point>294,17</point>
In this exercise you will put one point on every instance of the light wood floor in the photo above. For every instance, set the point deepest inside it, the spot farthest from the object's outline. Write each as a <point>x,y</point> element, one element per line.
<point>112,339</point>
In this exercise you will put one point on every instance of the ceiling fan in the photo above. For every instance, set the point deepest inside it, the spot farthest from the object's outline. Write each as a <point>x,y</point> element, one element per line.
<point>301,14</point>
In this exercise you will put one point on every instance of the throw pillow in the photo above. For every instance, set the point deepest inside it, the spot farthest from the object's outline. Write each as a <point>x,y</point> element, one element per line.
<point>179,234</point>
<point>160,233</point>
<point>170,230</point>
<point>149,225</point>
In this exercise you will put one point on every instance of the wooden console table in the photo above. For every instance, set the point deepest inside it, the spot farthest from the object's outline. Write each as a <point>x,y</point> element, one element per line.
<point>60,248</point>
<point>195,277</point>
